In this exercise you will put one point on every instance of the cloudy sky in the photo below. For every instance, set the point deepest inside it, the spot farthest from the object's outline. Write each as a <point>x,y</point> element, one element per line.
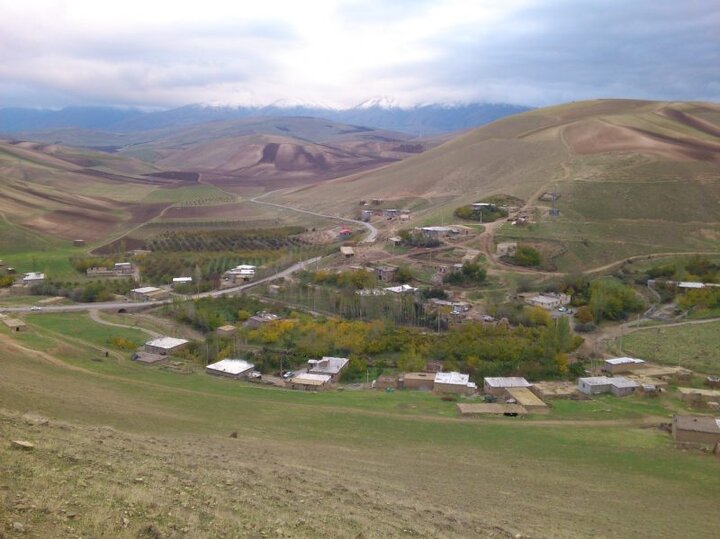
<point>158,54</point>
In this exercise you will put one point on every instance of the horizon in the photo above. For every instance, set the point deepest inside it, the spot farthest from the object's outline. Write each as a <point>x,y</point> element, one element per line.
<point>526,52</point>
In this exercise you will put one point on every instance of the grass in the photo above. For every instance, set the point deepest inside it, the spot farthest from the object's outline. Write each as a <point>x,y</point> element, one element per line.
<point>189,195</point>
<point>694,346</point>
<point>368,460</point>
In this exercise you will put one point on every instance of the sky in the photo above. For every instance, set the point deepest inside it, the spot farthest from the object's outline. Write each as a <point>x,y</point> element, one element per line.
<point>338,53</point>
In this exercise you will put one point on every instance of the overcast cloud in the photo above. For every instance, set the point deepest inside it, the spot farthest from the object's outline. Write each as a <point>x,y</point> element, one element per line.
<point>154,53</point>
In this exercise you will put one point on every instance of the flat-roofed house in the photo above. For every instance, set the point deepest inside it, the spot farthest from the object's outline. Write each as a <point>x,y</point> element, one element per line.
<point>226,330</point>
<point>240,273</point>
<point>310,382</point>
<point>148,293</point>
<point>697,429</point>
<point>385,381</point>
<point>230,368</point>
<point>417,380</point>
<point>33,278</point>
<point>506,248</point>
<point>260,319</point>
<point>386,274</point>
<point>453,382</point>
<point>347,252</point>
<point>622,364</point>
<point>594,385</point>
<point>100,271</point>
<point>123,268</point>
<point>548,301</point>
<point>165,345</point>
<point>498,385</point>
<point>14,324</point>
<point>622,387</point>
<point>332,366</point>
<point>181,281</point>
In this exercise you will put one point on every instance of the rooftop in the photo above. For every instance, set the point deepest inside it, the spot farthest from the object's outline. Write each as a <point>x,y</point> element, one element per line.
<point>596,380</point>
<point>166,343</point>
<point>311,379</point>
<point>456,378</point>
<point>624,361</point>
<point>525,397</point>
<point>145,290</point>
<point>690,284</point>
<point>502,382</point>
<point>401,289</point>
<point>34,276</point>
<point>620,381</point>
<point>182,279</point>
<point>491,408</point>
<point>697,423</point>
<point>328,365</point>
<point>231,366</point>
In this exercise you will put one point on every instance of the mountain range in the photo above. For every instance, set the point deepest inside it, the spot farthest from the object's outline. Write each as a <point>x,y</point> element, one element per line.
<point>381,113</point>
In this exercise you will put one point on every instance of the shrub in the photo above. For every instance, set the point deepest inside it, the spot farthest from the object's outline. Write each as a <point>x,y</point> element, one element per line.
<point>526,256</point>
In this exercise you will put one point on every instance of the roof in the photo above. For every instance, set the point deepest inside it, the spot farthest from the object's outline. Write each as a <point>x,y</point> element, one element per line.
<point>401,289</point>
<point>503,382</point>
<point>620,381</point>
<point>395,238</point>
<point>525,397</point>
<point>311,379</point>
<point>542,298</point>
<point>34,276</point>
<point>347,250</point>
<point>437,229</point>
<point>123,264</point>
<point>455,378</point>
<point>690,284</point>
<point>166,343</point>
<point>419,376</point>
<point>345,231</point>
<point>697,391</point>
<point>328,365</point>
<point>182,279</point>
<point>596,380</point>
<point>145,290</point>
<point>231,366</point>
<point>264,316</point>
<point>624,361</point>
<point>227,327</point>
<point>13,322</point>
<point>697,423</point>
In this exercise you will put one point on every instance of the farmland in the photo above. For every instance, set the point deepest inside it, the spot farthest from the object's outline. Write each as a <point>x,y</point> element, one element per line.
<point>158,429</point>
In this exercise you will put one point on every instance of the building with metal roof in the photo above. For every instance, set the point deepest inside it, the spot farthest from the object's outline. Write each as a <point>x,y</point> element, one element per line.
<point>230,368</point>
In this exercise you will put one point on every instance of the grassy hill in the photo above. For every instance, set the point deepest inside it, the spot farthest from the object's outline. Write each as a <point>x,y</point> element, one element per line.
<point>135,451</point>
<point>634,177</point>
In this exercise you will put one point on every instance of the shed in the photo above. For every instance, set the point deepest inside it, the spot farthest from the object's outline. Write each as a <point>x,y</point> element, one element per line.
<point>165,345</point>
<point>490,408</point>
<point>181,280</point>
<point>417,380</point>
<point>230,368</point>
<point>259,319</point>
<point>386,274</point>
<point>594,385</point>
<point>556,389</point>
<point>385,381</point>
<point>526,398</point>
<point>78,243</point>
<point>621,387</point>
<point>14,324</point>
<point>310,382</point>
<point>497,385</point>
<point>148,293</point>
<point>395,240</point>
<point>33,278</point>
<point>148,358</point>
<point>697,429</point>
<point>347,252</point>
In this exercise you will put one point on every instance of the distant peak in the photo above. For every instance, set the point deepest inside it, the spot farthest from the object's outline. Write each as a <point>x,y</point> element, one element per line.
<point>296,104</point>
<point>380,102</point>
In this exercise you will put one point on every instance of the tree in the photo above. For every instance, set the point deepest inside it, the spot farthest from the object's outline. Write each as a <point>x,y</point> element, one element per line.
<point>410,361</point>
<point>526,256</point>
<point>404,274</point>
<point>585,315</point>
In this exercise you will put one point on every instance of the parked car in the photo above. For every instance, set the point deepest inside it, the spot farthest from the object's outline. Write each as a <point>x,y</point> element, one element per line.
<point>36,308</point>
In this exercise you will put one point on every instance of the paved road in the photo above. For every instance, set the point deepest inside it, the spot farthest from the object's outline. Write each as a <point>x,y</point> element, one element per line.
<point>372,231</point>
<point>131,305</point>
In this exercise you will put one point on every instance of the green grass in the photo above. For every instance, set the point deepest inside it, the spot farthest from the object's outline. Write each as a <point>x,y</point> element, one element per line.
<point>694,346</point>
<point>189,194</point>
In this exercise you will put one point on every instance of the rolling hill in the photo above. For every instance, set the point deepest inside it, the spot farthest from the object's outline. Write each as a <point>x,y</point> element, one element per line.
<point>633,177</point>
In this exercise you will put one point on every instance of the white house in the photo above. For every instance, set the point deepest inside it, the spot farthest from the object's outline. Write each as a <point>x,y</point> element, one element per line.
<point>331,366</point>
<point>622,364</point>
<point>231,368</point>
<point>454,382</point>
<point>401,289</point>
<point>33,278</point>
<point>181,280</point>
<point>165,345</point>
<point>498,385</point>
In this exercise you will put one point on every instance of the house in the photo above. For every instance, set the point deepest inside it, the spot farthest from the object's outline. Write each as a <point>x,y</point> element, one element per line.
<point>548,301</point>
<point>230,368</point>
<point>555,389</point>
<point>226,331</point>
<point>404,217</point>
<point>123,268</point>
<point>497,385</point>
<point>78,243</point>
<point>148,293</point>
<point>345,233</point>
<point>495,408</point>
<point>391,213</point>
<point>366,215</point>
<point>14,324</point>
<point>100,271</point>
<point>594,385</point>
<point>621,364</point>
<point>165,345</point>
<point>478,206</point>
<point>527,399</point>
<point>331,366</point>
<point>386,274</point>
<point>697,429</point>
<point>259,319</point>
<point>395,240</point>
<point>506,248</point>
<point>454,382</point>
<point>698,397</point>
<point>347,252</point>
<point>402,289</point>
<point>181,281</point>
<point>618,385</point>
<point>241,273</point>
<point>33,278</point>
<point>437,231</point>
<point>310,382</point>
<point>417,380</point>
<point>622,387</point>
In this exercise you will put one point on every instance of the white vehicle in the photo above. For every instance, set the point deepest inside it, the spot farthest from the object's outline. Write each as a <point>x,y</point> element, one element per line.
<point>36,308</point>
